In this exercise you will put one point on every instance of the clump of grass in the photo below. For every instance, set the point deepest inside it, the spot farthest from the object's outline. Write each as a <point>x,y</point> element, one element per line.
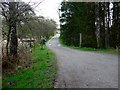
<point>40,75</point>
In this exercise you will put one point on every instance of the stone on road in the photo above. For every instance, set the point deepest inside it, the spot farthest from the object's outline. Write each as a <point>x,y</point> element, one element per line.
<point>81,69</point>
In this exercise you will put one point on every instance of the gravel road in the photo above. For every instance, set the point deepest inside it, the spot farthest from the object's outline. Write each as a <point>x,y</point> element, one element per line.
<point>81,69</point>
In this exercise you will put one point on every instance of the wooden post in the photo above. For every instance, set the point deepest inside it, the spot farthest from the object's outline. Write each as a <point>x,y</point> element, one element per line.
<point>80,39</point>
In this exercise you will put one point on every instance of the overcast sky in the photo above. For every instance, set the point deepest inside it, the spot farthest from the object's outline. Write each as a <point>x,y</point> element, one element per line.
<point>48,8</point>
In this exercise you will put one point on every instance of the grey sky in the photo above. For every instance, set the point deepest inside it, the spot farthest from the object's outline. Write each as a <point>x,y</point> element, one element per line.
<point>48,8</point>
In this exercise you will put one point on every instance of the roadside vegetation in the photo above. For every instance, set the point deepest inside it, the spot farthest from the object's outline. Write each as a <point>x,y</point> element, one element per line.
<point>40,73</point>
<point>102,50</point>
<point>110,51</point>
<point>24,64</point>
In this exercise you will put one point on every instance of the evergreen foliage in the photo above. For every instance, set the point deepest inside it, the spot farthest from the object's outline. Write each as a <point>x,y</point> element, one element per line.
<point>93,20</point>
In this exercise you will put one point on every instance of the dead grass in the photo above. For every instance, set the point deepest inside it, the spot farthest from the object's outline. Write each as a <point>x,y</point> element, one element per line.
<point>23,60</point>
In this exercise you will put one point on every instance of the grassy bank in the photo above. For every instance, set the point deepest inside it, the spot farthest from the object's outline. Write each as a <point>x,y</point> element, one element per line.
<point>110,51</point>
<point>41,73</point>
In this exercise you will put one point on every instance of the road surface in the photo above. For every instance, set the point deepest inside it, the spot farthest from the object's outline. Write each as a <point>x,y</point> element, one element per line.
<point>81,69</point>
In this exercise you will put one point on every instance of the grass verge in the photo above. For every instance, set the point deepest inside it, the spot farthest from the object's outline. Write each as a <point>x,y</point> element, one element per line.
<point>41,73</point>
<point>110,51</point>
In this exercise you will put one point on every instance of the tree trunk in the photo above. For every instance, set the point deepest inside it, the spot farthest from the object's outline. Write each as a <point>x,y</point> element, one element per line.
<point>102,31</point>
<point>8,41</point>
<point>107,26</point>
<point>98,24</point>
<point>13,40</point>
<point>13,33</point>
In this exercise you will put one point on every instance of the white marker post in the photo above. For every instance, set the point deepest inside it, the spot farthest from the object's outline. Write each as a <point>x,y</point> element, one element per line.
<point>80,39</point>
